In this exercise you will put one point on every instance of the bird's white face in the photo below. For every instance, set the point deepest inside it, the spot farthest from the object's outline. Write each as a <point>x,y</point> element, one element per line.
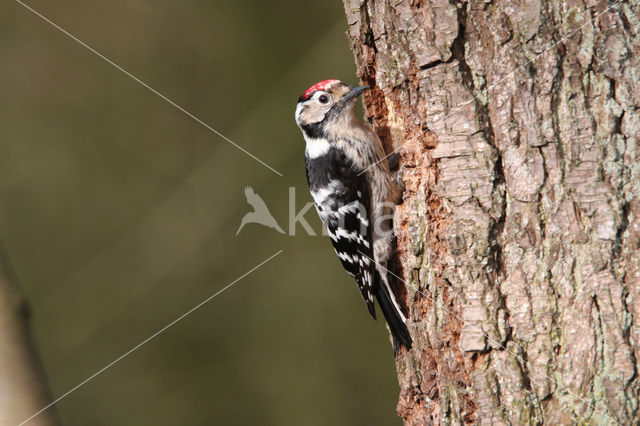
<point>324,97</point>
<point>314,109</point>
<point>326,105</point>
<point>316,102</point>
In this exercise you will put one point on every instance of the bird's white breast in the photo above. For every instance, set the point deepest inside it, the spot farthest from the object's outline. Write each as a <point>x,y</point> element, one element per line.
<point>316,147</point>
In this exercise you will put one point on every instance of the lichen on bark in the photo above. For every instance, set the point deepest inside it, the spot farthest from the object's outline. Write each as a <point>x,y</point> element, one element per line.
<point>519,231</point>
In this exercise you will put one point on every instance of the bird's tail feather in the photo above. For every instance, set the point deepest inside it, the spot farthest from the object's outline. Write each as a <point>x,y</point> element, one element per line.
<point>392,313</point>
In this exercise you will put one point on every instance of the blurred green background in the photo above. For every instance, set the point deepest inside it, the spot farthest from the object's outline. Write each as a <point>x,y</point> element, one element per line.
<point>119,214</point>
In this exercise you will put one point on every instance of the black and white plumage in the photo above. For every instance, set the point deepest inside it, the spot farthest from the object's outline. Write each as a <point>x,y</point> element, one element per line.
<point>341,197</point>
<point>353,191</point>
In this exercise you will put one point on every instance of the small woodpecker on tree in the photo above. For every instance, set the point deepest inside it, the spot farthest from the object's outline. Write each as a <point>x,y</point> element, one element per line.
<point>354,193</point>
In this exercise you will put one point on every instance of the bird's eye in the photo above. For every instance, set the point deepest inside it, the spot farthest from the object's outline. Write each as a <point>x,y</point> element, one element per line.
<point>323,99</point>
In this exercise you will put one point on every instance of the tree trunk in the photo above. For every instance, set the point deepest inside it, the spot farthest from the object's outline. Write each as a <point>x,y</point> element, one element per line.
<point>23,390</point>
<point>519,232</point>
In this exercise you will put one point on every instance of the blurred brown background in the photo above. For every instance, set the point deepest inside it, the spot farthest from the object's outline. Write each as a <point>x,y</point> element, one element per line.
<point>119,213</point>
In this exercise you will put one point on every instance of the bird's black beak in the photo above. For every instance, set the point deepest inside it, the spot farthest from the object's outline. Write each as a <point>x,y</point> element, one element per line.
<point>356,91</point>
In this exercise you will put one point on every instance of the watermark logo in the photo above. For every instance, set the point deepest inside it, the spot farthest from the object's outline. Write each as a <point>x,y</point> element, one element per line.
<point>338,214</point>
<point>260,213</point>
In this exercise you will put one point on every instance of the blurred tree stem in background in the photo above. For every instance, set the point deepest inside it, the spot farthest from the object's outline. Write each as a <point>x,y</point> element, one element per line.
<point>518,236</point>
<point>23,389</point>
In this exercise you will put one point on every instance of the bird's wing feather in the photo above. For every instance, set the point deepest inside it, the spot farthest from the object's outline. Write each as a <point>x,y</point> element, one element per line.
<point>343,205</point>
<point>351,238</point>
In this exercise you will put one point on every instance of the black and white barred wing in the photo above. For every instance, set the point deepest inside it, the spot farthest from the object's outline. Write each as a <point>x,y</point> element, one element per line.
<point>343,207</point>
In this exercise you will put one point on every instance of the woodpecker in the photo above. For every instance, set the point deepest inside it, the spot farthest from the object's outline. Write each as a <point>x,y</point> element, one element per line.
<point>353,191</point>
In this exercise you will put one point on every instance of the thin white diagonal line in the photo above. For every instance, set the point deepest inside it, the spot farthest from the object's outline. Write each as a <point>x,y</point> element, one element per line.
<point>146,86</point>
<point>462,105</point>
<point>136,347</point>
<point>528,364</point>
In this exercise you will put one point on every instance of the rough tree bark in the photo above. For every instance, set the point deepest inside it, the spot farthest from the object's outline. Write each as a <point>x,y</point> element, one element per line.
<point>519,233</point>
<point>23,389</point>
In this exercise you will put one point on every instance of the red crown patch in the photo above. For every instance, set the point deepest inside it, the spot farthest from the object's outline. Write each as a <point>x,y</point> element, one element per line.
<point>321,85</point>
